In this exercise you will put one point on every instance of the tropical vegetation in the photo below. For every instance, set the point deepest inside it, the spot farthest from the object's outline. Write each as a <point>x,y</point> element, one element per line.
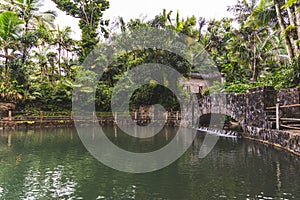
<point>39,60</point>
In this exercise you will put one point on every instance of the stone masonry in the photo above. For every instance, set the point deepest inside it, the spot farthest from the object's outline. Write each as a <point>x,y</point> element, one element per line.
<point>250,111</point>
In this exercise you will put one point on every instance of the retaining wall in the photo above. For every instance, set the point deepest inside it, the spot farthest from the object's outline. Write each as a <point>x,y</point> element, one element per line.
<point>250,110</point>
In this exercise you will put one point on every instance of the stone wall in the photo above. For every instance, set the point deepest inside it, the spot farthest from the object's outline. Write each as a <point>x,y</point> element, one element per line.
<point>250,110</point>
<point>257,100</point>
<point>279,138</point>
<point>246,108</point>
<point>288,97</point>
<point>287,140</point>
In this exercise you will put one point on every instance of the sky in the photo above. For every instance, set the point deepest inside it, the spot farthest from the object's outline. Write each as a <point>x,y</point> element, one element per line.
<point>131,9</point>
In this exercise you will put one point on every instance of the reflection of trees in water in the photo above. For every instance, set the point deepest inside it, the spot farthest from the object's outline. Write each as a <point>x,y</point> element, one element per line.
<point>35,136</point>
<point>54,162</point>
<point>30,167</point>
<point>249,166</point>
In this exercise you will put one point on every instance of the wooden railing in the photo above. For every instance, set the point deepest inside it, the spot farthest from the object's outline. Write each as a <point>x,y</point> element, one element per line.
<point>43,116</point>
<point>280,119</point>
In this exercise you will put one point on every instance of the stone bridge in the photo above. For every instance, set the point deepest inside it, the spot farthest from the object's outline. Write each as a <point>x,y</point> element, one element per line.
<point>250,111</point>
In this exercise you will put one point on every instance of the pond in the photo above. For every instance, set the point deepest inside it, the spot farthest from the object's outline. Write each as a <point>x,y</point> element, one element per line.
<point>54,164</point>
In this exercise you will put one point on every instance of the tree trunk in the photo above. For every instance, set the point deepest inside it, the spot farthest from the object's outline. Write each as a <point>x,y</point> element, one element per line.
<point>255,69</point>
<point>59,58</point>
<point>24,51</point>
<point>201,24</point>
<point>6,63</point>
<point>287,40</point>
<point>297,16</point>
<point>292,22</point>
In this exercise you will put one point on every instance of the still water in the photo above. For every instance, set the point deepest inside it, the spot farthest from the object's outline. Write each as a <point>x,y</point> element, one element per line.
<point>54,164</point>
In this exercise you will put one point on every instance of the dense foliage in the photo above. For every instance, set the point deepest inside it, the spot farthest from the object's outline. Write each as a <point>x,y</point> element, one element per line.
<point>261,49</point>
<point>39,61</point>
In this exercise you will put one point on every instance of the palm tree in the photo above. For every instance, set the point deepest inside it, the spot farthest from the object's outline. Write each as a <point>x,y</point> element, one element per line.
<point>64,41</point>
<point>28,11</point>
<point>41,57</point>
<point>276,14</point>
<point>10,27</point>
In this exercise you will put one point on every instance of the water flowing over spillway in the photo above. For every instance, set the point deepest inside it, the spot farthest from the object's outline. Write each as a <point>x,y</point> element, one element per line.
<point>218,132</point>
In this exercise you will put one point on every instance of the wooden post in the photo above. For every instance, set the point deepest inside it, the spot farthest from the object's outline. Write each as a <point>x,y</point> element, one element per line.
<point>277,116</point>
<point>135,115</point>
<point>72,115</point>
<point>9,115</point>
<point>177,115</point>
<point>41,116</point>
<point>166,116</point>
<point>116,118</point>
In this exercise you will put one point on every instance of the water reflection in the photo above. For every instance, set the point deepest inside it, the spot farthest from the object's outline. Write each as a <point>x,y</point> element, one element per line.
<point>53,164</point>
<point>136,155</point>
<point>52,183</point>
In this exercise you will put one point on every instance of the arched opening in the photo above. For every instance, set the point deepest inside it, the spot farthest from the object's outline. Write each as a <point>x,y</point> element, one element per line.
<point>214,120</point>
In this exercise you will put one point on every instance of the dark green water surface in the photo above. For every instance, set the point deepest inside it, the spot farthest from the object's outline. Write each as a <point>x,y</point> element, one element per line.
<point>54,164</point>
